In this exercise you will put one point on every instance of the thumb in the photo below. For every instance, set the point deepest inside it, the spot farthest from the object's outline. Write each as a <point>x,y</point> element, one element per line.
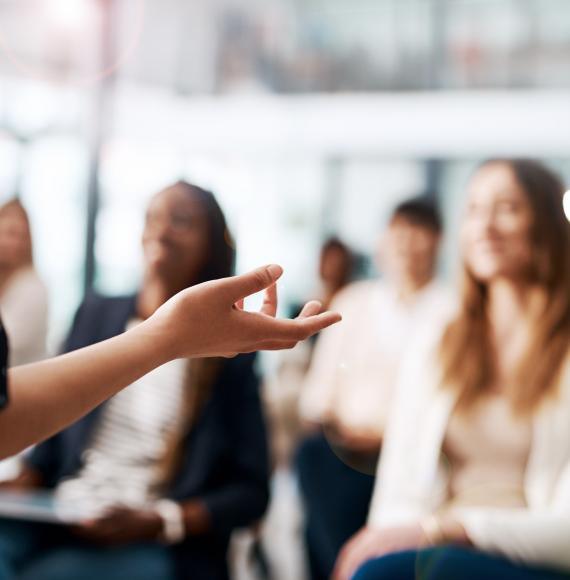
<point>255,281</point>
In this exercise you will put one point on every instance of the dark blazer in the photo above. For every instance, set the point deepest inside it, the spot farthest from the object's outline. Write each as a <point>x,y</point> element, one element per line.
<point>225,457</point>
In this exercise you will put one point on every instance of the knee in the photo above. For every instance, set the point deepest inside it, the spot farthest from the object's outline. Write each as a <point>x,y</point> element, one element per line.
<point>397,566</point>
<point>144,563</point>
<point>444,562</point>
<point>17,541</point>
<point>58,565</point>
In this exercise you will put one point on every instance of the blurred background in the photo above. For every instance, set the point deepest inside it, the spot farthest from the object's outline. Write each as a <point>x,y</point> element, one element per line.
<point>306,117</point>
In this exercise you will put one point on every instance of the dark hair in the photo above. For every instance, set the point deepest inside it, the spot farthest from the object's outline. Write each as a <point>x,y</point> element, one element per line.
<point>334,243</point>
<point>419,211</point>
<point>221,257</point>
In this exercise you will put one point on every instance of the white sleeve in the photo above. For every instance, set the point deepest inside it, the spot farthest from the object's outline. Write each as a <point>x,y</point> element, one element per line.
<point>25,312</point>
<point>538,537</point>
<point>394,501</point>
<point>317,394</point>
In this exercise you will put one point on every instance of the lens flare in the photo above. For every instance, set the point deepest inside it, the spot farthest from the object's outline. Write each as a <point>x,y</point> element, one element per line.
<point>72,24</point>
<point>70,14</point>
<point>566,203</point>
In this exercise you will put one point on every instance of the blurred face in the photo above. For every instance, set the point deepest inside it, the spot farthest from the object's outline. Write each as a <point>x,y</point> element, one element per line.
<point>14,238</point>
<point>496,231</point>
<point>175,237</point>
<point>334,264</point>
<point>407,252</point>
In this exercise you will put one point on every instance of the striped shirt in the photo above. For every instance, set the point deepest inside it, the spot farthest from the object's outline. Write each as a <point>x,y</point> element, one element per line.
<point>122,464</point>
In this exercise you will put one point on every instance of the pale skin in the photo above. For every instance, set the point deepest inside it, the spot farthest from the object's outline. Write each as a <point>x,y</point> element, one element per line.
<point>202,321</point>
<point>497,249</point>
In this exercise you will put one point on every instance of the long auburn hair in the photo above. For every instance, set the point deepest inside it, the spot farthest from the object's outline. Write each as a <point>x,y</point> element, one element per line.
<point>201,374</point>
<point>466,352</point>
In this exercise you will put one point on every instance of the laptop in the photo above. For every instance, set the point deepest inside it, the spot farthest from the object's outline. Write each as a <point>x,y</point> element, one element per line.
<point>41,506</point>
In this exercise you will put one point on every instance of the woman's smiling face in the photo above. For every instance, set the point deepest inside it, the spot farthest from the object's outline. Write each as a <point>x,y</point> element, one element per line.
<point>496,233</point>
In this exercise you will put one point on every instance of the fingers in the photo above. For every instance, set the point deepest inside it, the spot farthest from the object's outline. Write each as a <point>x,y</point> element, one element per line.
<point>240,304</point>
<point>277,345</point>
<point>311,309</point>
<point>269,306</point>
<point>275,334</point>
<point>294,330</point>
<point>310,325</point>
<point>239,287</point>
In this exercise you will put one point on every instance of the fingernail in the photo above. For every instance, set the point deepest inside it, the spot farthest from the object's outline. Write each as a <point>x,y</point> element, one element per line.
<point>275,271</point>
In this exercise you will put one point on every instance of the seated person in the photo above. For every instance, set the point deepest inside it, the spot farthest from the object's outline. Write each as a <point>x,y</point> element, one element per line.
<point>23,295</point>
<point>282,390</point>
<point>347,393</point>
<point>172,464</point>
<point>474,482</point>
<point>23,299</point>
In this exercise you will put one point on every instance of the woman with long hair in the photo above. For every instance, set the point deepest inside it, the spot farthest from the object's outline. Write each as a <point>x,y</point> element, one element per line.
<point>23,296</point>
<point>175,462</point>
<point>474,481</point>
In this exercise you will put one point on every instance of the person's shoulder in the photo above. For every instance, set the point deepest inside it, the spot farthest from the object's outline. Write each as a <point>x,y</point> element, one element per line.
<point>96,300</point>
<point>97,309</point>
<point>27,282</point>
<point>442,301</point>
<point>355,292</point>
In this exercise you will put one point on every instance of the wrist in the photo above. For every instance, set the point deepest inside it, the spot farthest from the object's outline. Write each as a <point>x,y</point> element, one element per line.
<point>443,530</point>
<point>432,530</point>
<point>155,342</point>
<point>171,516</point>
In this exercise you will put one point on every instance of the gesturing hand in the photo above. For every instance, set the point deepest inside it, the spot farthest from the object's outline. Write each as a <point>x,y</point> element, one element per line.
<point>209,320</point>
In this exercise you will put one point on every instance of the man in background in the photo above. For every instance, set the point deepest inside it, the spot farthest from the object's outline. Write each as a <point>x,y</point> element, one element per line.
<point>346,397</point>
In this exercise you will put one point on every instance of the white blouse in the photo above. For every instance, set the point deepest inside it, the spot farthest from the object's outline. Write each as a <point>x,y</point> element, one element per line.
<point>355,365</point>
<point>24,307</point>
<point>412,482</point>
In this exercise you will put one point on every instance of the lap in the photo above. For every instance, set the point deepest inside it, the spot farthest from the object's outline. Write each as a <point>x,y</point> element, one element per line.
<point>21,540</point>
<point>450,563</point>
<point>137,562</point>
<point>318,464</point>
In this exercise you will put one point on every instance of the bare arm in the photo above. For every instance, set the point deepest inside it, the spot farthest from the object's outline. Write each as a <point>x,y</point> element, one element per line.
<point>198,322</point>
<point>48,396</point>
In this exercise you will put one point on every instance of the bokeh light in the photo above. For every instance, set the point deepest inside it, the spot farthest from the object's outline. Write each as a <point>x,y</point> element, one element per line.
<point>70,14</point>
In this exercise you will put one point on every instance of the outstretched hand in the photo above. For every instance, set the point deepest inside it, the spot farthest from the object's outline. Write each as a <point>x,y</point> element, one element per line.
<point>209,319</point>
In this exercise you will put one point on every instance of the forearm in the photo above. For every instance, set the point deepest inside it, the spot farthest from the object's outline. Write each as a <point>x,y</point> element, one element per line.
<point>48,396</point>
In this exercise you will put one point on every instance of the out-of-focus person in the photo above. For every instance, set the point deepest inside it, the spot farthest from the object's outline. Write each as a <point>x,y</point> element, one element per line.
<point>23,296</point>
<point>336,265</point>
<point>282,391</point>
<point>348,390</point>
<point>175,462</point>
<point>475,478</point>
